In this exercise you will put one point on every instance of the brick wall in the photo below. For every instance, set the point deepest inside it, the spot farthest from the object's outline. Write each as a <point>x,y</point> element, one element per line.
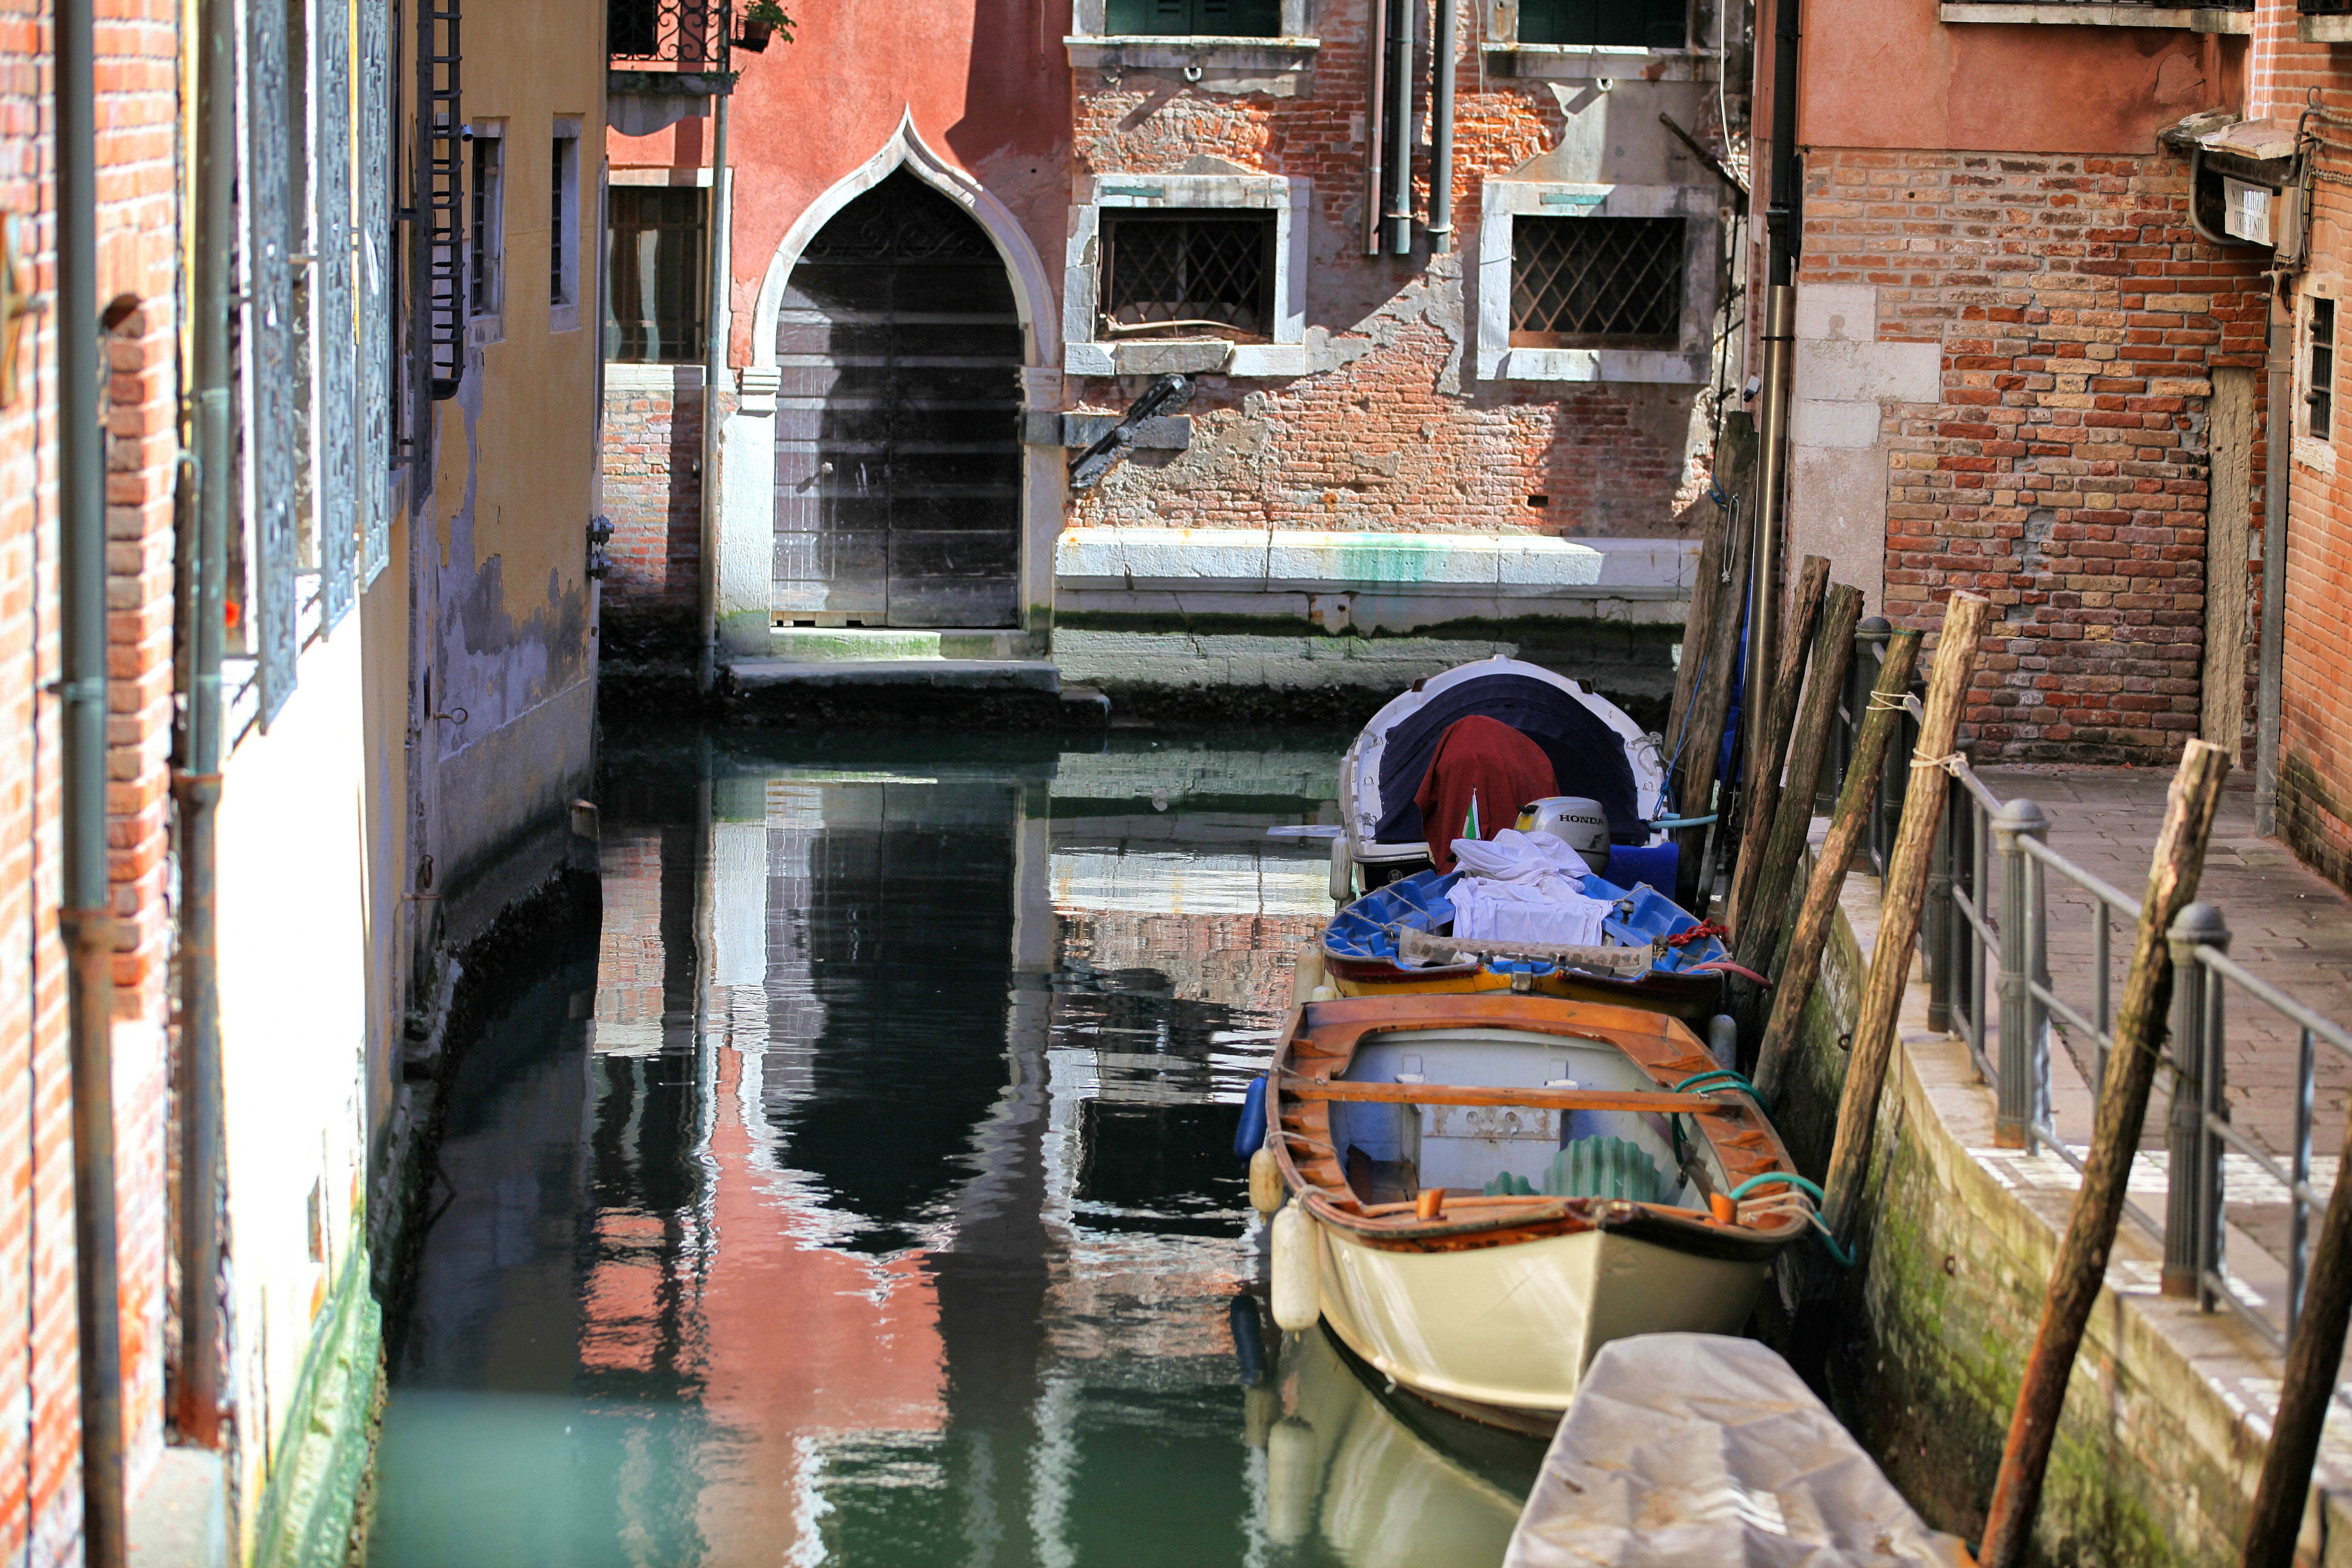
<point>2064,474</point>
<point>40,1503</point>
<point>1391,430</point>
<point>653,492</point>
<point>2315,799</point>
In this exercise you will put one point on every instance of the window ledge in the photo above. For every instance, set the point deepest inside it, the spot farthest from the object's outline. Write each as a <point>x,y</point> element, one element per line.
<point>2100,13</point>
<point>2323,29</point>
<point>1657,366</point>
<point>1185,356</point>
<point>1591,62</point>
<point>1227,65</point>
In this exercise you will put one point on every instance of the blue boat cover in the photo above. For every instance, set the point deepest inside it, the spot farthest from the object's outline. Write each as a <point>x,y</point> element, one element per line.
<point>1368,928</point>
<point>1587,757</point>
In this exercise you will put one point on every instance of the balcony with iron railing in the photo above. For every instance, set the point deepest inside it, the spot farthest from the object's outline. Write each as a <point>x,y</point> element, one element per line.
<point>2210,16</point>
<point>683,37</point>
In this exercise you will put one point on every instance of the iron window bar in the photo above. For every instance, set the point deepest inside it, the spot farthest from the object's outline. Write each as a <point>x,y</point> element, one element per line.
<point>1187,271</point>
<point>1596,282</point>
<point>444,216</point>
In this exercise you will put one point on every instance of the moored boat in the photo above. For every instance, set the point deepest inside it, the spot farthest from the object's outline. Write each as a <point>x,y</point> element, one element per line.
<point>1483,1190</point>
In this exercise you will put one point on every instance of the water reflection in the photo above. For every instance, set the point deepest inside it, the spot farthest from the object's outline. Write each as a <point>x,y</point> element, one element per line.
<point>866,1195</point>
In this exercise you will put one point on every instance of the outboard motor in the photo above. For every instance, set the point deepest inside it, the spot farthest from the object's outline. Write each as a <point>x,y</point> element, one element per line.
<point>1576,820</point>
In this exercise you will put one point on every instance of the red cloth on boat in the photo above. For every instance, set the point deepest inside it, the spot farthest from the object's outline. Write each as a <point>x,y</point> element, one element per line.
<point>1485,762</point>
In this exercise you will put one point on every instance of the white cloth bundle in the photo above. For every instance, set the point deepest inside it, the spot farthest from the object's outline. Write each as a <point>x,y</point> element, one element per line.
<point>1523,887</point>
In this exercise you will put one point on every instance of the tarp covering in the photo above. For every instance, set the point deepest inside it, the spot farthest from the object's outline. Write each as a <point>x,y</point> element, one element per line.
<point>1587,757</point>
<point>1481,773</point>
<point>1703,1451</point>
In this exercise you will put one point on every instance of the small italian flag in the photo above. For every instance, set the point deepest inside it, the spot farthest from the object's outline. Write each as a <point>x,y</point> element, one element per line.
<point>1470,819</point>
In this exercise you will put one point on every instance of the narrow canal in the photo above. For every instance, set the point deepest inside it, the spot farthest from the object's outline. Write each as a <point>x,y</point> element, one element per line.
<point>866,1193</point>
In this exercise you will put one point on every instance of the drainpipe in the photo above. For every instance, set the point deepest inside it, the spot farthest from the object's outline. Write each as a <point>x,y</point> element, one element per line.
<point>1780,328</point>
<point>2276,468</point>
<point>85,919</point>
<point>1441,151</point>
<point>714,370</point>
<point>197,786</point>
<point>1400,139</point>
<point>1375,175</point>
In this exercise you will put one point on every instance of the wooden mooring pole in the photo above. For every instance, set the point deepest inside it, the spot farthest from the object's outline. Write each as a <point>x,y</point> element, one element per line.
<point>1898,910</point>
<point>1802,965</point>
<point>2082,1264</point>
<point>1768,742</point>
<point>2312,1363</point>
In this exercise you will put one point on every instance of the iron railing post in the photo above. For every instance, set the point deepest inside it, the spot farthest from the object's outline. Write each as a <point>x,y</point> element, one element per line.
<point>2013,1122</point>
<point>2192,1196</point>
<point>1936,929</point>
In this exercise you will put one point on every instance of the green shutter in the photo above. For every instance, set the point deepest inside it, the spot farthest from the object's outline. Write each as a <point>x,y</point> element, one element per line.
<point>1181,18</point>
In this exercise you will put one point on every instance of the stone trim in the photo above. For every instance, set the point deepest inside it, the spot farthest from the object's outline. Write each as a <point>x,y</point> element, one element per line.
<point>1285,197</point>
<point>2100,13</point>
<point>1211,63</point>
<point>1502,201</point>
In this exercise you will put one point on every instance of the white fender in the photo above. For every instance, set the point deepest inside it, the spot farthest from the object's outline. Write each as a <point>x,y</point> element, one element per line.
<point>1297,1304</point>
<point>1265,1181</point>
<point>1290,1478</point>
<point>1343,872</point>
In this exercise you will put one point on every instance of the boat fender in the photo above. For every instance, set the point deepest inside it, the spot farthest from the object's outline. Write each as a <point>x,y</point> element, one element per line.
<point>1723,1040</point>
<point>1325,993</point>
<point>1250,1136</point>
<point>1249,1338</point>
<point>1297,1301</point>
<point>1265,1181</point>
<point>1290,1489</point>
<point>1343,872</point>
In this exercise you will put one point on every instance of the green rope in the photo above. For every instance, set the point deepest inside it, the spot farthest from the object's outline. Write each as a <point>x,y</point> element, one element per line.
<point>1838,1255</point>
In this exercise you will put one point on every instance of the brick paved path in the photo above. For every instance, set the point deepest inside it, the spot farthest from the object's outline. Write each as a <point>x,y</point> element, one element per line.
<point>2287,924</point>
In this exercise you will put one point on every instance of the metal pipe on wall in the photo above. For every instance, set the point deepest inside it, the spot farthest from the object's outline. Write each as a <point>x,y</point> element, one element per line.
<point>1401,129</point>
<point>85,919</point>
<point>1763,580</point>
<point>1375,134</point>
<point>714,370</point>
<point>2270,668</point>
<point>196,783</point>
<point>1440,104</point>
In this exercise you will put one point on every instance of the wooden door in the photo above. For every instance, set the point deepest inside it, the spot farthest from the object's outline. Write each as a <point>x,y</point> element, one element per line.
<point>897,421</point>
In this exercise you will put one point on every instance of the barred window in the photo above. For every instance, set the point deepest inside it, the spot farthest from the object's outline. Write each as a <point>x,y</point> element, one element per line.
<point>2319,372</point>
<point>486,264</point>
<point>1606,23</point>
<point>1194,18</point>
<point>1179,274</point>
<point>653,275</point>
<point>1597,283</point>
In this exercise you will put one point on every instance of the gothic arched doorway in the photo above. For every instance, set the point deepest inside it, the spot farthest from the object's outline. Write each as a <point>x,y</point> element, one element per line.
<point>898,420</point>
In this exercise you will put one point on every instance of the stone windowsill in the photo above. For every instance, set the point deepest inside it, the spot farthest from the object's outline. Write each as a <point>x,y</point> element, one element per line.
<point>2324,29</point>
<point>1141,51</point>
<point>2100,14</point>
<point>1185,356</point>
<point>1586,62</point>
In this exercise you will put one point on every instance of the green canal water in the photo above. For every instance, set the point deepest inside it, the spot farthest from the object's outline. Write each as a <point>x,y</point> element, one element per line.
<point>864,1193</point>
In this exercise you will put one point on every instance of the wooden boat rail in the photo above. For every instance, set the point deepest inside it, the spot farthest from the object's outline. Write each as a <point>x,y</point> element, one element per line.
<point>1661,1102</point>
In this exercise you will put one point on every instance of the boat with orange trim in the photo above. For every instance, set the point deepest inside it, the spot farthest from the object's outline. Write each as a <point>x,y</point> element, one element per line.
<point>1477,1192</point>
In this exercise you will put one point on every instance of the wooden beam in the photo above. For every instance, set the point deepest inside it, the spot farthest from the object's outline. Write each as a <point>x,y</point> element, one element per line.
<point>1898,910</point>
<point>2082,1266</point>
<point>1767,740</point>
<point>1658,1101</point>
<point>1802,965</point>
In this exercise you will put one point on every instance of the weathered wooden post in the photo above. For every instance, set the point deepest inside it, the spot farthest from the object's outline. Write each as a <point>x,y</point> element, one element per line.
<point>1762,919</point>
<point>1698,736</point>
<point>1857,808</point>
<point>1898,910</point>
<point>1768,740</point>
<point>2082,1264</point>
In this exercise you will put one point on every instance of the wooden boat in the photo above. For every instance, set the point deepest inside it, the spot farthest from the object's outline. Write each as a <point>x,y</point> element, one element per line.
<point>1486,1189</point>
<point>1361,954</point>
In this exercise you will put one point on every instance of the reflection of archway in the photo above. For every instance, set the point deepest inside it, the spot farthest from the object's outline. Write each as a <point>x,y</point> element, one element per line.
<point>898,346</point>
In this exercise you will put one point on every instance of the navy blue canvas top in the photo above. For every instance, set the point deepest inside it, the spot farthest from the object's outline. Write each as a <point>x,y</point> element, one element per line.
<point>1587,757</point>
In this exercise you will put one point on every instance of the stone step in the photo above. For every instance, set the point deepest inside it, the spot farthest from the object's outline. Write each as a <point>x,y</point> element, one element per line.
<point>808,645</point>
<point>968,674</point>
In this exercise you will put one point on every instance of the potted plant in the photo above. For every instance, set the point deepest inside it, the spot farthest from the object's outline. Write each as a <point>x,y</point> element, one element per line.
<point>761,21</point>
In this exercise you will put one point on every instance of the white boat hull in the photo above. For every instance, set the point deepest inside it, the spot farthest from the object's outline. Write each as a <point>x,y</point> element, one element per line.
<point>1512,1328</point>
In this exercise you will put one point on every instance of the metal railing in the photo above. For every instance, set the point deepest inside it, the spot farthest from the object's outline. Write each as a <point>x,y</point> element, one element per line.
<point>2324,7</point>
<point>669,35</point>
<point>1985,937</point>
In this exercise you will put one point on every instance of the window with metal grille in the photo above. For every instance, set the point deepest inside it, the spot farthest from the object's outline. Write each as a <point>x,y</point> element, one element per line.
<point>487,247</point>
<point>2319,372</point>
<point>1194,18</point>
<point>1179,274</point>
<point>653,275</point>
<point>1597,283</point>
<point>1606,23</point>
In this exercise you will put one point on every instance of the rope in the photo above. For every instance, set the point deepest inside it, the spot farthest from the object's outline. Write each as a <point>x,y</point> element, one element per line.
<point>1725,966</point>
<point>1888,703</point>
<point>1839,1255</point>
<point>1951,761</point>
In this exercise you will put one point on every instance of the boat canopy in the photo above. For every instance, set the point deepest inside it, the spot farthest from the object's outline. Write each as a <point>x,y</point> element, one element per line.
<point>1595,750</point>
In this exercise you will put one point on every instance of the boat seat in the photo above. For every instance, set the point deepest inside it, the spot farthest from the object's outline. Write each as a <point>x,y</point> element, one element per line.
<point>1595,1167</point>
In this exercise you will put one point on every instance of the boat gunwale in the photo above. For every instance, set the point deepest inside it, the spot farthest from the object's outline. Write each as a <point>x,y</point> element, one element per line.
<point>1337,1029</point>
